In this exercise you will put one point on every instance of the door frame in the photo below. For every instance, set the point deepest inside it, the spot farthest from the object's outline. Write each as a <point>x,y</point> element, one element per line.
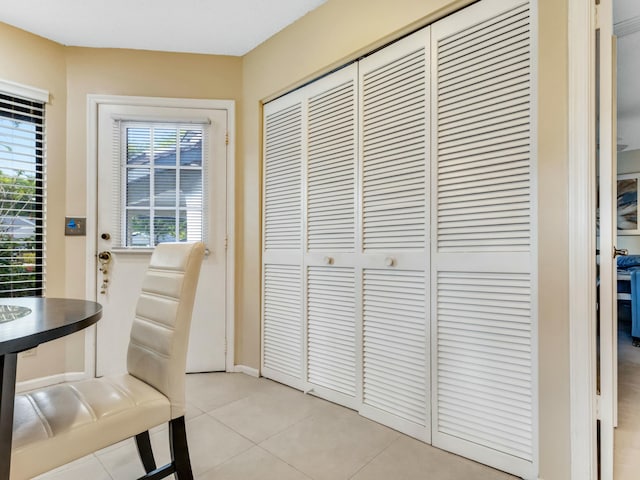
<point>93,103</point>
<point>582,227</point>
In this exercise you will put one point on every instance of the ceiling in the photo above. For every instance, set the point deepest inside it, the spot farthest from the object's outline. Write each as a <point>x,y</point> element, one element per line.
<point>220,27</point>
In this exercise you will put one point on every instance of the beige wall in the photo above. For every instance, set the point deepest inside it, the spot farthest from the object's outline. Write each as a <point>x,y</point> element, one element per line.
<point>339,31</point>
<point>34,61</point>
<point>553,177</point>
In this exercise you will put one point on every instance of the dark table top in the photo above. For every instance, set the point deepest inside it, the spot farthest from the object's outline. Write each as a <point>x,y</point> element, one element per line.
<point>40,320</point>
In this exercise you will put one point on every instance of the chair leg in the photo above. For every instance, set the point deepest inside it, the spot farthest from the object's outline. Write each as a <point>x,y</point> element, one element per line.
<point>144,450</point>
<point>179,449</point>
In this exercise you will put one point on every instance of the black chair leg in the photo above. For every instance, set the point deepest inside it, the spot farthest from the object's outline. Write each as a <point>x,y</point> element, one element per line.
<point>179,449</point>
<point>144,450</point>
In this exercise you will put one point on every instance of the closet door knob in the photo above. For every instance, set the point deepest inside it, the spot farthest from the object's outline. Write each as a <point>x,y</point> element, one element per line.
<point>328,260</point>
<point>390,262</point>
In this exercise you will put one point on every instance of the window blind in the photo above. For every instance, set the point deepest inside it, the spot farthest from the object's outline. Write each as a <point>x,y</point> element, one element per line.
<point>22,197</point>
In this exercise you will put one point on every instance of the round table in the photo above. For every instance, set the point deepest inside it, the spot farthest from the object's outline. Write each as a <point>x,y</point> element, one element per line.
<point>26,323</point>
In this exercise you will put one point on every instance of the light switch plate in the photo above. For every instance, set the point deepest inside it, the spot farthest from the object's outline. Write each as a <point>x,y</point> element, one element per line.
<point>76,226</point>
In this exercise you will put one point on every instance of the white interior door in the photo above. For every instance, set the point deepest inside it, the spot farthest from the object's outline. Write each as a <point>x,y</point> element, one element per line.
<point>607,195</point>
<point>116,236</point>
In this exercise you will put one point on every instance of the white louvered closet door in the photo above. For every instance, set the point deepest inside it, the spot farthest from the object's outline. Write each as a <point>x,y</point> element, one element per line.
<point>332,279</point>
<point>483,238</point>
<point>394,129</point>
<point>282,287</point>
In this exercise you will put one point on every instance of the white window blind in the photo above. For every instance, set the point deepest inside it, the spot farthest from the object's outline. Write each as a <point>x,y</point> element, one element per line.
<point>162,197</point>
<point>22,197</point>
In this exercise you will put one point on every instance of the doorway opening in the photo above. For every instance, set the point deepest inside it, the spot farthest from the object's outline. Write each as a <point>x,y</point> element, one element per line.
<point>626,19</point>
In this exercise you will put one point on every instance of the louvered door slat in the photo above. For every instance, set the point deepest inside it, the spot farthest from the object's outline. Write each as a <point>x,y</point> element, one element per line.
<point>501,65</point>
<point>462,125</point>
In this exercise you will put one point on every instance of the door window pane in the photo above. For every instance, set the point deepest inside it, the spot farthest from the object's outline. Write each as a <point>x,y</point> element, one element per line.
<point>138,187</point>
<point>163,183</point>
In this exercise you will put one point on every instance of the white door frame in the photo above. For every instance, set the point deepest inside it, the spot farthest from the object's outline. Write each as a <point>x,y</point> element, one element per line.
<point>93,102</point>
<point>582,246</point>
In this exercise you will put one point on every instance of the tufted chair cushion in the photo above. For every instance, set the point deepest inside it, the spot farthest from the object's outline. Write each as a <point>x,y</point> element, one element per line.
<point>157,351</point>
<point>57,424</point>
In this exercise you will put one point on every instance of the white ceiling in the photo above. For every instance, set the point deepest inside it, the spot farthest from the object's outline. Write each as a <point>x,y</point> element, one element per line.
<point>626,17</point>
<point>221,27</point>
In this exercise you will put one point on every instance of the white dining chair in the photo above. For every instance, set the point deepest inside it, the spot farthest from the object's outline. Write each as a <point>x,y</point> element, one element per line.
<point>58,424</point>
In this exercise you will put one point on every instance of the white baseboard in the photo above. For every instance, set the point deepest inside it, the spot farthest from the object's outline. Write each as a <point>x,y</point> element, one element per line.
<point>253,372</point>
<point>42,382</point>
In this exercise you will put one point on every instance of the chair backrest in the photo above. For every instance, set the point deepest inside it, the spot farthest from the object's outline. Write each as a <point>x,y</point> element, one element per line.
<point>160,332</point>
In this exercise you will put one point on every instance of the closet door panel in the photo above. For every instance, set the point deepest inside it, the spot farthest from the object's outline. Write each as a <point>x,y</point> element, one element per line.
<point>331,329</point>
<point>282,287</point>
<point>283,176</point>
<point>282,326</point>
<point>483,237</point>
<point>332,162</point>
<point>485,380</point>
<point>394,129</point>
<point>394,134</point>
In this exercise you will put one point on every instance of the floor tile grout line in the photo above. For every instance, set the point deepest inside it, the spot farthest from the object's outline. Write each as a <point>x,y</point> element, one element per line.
<point>311,414</point>
<point>397,439</point>
<point>226,461</point>
<point>258,444</point>
<point>104,467</point>
<point>231,428</point>
<point>285,429</point>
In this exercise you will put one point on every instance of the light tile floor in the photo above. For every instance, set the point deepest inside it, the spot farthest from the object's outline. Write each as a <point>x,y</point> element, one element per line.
<point>627,435</point>
<point>244,428</point>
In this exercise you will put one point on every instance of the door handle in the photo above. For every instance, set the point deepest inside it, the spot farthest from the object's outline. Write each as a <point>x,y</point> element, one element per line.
<point>620,251</point>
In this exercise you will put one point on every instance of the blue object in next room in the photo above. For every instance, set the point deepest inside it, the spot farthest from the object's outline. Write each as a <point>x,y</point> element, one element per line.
<point>628,261</point>
<point>635,306</point>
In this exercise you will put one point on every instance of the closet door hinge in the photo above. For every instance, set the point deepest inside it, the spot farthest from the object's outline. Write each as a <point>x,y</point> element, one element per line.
<point>598,416</point>
<point>226,138</point>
